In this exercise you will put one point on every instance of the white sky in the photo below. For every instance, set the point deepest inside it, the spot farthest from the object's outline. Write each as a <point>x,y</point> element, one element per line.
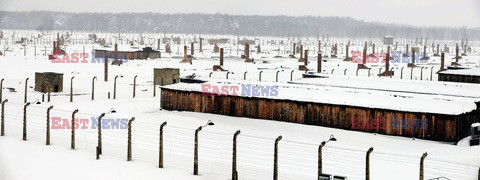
<point>415,12</point>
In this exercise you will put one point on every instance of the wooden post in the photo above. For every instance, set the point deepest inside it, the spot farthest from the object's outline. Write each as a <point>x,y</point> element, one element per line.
<point>275,158</point>
<point>129,141</point>
<point>421,73</point>
<point>1,89</point>
<point>115,88</point>
<point>72,145</point>
<point>195,153</point>
<point>25,121</point>
<point>134,84</point>
<point>411,73</point>
<point>401,73</point>
<point>276,76</point>
<point>234,156</point>
<point>367,167</point>
<point>71,89</point>
<point>2,129</point>
<point>422,159</point>
<point>97,153</point>
<point>291,75</point>
<point>48,126</point>
<point>93,87</point>
<point>431,73</point>
<point>160,149</point>
<point>320,166</point>
<point>99,143</point>
<point>155,87</point>
<point>26,87</point>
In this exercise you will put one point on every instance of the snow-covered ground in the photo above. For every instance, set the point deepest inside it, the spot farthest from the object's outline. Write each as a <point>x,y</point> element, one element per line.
<point>393,157</point>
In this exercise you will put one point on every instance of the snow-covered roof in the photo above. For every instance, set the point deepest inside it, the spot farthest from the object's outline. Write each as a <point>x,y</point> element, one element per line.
<point>459,90</point>
<point>397,101</point>
<point>467,72</point>
<point>475,125</point>
<point>121,48</point>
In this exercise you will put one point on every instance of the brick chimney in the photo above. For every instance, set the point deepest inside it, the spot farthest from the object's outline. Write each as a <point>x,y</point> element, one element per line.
<point>192,49</point>
<point>301,54</point>
<point>387,71</point>
<point>221,56</point>
<point>55,47</point>
<point>456,54</point>
<point>247,51</point>
<point>413,56</point>
<point>319,63</point>
<point>336,49</point>
<point>424,51</point>
<point>185,53</point>
<point>201,39</point>
<point>387,61</point>
<point>364,59</point>
<point>442,62</point>
<point>373,50</point>
<point>294,48</point>
<point>306,58</point>
<point>346,51</point>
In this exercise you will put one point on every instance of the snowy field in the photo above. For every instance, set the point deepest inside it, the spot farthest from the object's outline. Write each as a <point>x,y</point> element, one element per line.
<point>393,158</point>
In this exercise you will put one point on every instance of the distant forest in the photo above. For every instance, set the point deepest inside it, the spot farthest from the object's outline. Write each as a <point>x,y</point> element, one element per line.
<point>312,26</point>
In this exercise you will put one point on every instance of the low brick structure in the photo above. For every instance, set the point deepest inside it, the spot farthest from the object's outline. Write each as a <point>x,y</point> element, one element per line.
<point>166,76</point>
<point>48,82</point>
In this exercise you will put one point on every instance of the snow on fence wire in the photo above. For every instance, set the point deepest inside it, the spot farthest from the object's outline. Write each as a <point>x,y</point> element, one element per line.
<point>255,154</point>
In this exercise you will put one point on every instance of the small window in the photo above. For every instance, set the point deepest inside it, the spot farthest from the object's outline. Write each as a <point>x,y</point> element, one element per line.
<point>476,131</point>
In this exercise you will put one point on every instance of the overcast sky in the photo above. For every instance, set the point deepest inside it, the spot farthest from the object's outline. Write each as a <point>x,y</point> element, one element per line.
<point>414,12</point>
